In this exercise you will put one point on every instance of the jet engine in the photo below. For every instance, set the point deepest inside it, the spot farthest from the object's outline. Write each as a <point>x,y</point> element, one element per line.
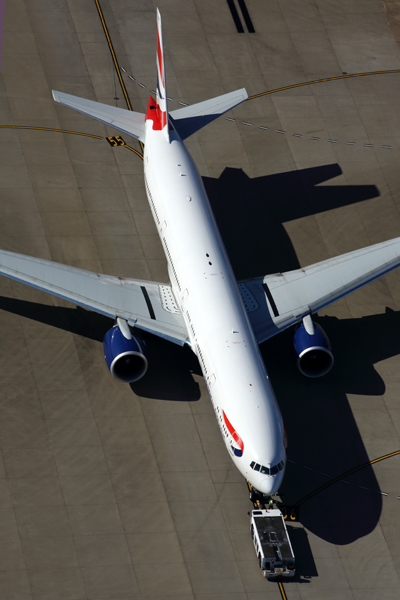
<point>124,353</point>
<point>313,349</point>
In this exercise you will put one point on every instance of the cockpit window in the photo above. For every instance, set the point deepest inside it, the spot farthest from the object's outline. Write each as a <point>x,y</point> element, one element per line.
<point>268,470</point>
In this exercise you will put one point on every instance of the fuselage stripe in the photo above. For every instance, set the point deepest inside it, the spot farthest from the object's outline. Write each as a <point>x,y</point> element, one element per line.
<point>235,436</point>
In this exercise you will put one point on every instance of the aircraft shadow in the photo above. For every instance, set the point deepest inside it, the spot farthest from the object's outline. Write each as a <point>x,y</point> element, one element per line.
<point>305,564</point>
<point>250,214</point>
<point>322,432</point>
<point>169,376</point>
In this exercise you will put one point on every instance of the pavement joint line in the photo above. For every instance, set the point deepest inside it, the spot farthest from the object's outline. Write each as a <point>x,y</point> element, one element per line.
<point>347,482</point>
<point>98,137</point>
<point>280,131</point>
<point>287,88</point>
<point>113,55</point>
<point>350,472</point>
<point>115,61</point>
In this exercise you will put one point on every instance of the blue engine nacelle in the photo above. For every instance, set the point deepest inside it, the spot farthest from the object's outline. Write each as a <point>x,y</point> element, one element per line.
<point>313,349</point>
<point>124,354</point>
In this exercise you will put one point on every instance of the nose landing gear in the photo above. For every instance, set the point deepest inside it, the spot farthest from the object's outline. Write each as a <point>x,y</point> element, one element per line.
<point>256,497</point>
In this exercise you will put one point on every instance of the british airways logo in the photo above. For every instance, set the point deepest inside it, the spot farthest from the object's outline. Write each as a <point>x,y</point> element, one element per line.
<point>238,440</point>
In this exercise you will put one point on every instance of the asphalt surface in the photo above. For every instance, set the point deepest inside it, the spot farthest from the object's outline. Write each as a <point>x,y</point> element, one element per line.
<point>108,491</point>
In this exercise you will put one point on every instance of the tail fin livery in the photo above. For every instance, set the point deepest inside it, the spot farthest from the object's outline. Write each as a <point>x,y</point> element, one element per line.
<point>186,121</point>
<point>161,83</point>
<point>158,111</point>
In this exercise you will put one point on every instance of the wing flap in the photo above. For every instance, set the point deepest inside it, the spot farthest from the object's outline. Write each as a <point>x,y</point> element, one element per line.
<point>283,299</point>
<point>147,305</point>
<point>127,121</point>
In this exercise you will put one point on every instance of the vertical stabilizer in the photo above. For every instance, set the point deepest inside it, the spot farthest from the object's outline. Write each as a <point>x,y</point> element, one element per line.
<point>159,113</point>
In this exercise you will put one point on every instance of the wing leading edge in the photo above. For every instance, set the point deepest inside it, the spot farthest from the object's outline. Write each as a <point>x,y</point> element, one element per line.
<point>147,305</point>
<point>278,301</point>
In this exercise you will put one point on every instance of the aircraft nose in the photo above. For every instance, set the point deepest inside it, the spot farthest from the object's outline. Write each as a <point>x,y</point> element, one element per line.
<point>267,486</point>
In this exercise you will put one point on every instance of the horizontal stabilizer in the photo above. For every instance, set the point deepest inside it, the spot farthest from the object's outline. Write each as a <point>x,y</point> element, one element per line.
<point>127,121</point>
<point>190,119</point>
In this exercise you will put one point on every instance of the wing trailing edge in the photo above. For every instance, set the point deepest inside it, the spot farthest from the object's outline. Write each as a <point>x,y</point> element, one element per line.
<point>127,121</point>
<point>145,304</point>
<point>275,302</point>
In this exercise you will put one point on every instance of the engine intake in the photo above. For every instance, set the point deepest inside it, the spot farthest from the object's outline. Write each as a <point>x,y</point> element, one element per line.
<point>313,349</point>
<point>124,353</point>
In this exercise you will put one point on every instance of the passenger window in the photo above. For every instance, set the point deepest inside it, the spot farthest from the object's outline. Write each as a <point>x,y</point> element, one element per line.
<point>257,467</point>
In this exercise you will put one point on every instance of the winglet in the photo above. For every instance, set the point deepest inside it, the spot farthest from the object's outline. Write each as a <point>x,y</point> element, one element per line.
<point>158,111</point>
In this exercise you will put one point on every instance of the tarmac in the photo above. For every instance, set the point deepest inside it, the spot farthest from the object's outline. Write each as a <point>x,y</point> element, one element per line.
<point>111,491</point>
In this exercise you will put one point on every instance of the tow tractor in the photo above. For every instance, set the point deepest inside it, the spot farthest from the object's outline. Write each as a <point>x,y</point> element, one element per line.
<point>272,544</point>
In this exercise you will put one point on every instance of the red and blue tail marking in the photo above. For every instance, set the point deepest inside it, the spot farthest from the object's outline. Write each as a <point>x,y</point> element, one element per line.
<point>237,451</point>
<point>157,110</point>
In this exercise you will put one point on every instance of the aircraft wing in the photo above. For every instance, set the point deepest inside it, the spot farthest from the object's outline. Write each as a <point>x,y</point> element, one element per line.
<point>147,305</point>
<point>275,302</point>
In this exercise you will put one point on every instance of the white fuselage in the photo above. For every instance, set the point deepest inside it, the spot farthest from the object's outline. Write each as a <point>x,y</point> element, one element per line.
<point>219,331</point>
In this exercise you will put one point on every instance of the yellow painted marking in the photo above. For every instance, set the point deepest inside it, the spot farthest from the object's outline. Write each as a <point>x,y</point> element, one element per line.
<point>332,481</point>
<point>118,70</point>
<point>133,150</point>
<point>116,140</point>
<point>121,81</point>
<point>282,590</point>
<point>98,137</point>
<point>289,87</point>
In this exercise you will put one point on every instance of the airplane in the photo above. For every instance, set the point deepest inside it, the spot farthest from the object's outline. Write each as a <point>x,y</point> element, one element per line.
<point>222,320</point>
